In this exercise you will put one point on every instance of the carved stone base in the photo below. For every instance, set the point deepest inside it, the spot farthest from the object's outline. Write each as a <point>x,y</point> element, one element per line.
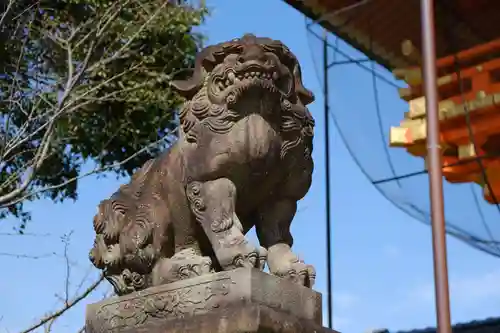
<point>243,300</point>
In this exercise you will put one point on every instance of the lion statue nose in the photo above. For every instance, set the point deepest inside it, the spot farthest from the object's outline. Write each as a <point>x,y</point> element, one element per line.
<point>252,53</point>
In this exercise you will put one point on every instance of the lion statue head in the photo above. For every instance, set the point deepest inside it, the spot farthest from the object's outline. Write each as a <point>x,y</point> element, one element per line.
<point>259,73</point>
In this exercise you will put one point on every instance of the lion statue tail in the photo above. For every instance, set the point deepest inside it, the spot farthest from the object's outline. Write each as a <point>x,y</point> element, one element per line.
<point>125,260</point>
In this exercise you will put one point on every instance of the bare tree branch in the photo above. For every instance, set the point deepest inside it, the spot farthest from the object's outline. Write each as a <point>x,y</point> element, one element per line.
<point>94,171</point>
<point>40,157</point>
<point>17,234</point>
<point>94,65</point>
<point>26,256</point>
<point>56,314</point>
<point>6,12</point>
<point>66,239</point>
<point>69,101</point>
<point>49,324</point>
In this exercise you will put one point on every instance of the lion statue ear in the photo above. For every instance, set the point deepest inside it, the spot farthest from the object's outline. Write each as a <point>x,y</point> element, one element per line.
<point>189,87</point>
<point>305,95</point>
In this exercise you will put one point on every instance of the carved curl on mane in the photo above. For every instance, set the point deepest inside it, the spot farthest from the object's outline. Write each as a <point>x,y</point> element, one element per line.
<point>201,112</point>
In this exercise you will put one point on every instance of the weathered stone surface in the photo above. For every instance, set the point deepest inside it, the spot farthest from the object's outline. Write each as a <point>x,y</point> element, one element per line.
<point>242,300</point>
<point>243,160</point>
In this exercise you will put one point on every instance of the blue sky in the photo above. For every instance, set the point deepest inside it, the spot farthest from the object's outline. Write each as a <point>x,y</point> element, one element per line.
<point>382,258</point>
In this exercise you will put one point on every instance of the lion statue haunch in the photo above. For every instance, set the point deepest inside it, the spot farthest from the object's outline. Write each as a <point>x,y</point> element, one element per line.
<point>243,159</point>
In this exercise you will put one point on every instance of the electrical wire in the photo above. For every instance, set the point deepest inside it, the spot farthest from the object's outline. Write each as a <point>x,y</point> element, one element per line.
<point>327,185</point>
<point>327,167</point>
<point>342,10</point>
<point>472,138</point>
<point>453,45</point>
<point>424,216</point>
<point>360,65</point>
<point>424,171</point>
<point>379,114</point>
<point>327,175</point>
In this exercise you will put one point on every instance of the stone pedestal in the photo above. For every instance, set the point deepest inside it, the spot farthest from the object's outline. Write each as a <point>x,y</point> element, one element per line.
<point>243,300</point>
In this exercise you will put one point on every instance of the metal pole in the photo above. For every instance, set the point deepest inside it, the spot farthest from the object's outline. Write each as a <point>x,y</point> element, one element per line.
<point>435,168</point>
<point>327,185</point>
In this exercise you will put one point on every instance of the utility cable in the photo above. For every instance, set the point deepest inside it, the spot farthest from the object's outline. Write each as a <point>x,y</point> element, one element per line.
<point>327,185</point>
<point>378,111</point>
<point>472,138</point>
<point>459,234</point>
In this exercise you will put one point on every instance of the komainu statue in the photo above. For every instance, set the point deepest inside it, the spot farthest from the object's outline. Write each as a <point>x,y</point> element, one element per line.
<point>243,159</point>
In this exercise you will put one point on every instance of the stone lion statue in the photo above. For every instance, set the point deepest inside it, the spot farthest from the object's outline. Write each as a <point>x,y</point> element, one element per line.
<point>243,159</point>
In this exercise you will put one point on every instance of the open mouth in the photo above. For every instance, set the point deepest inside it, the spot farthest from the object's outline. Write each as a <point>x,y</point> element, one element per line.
<point>253,76</point>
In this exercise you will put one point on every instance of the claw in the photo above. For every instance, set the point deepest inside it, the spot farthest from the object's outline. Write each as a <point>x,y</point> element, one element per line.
<point>183,265</point>
<point>312,277</point>
<point>237,252</point>
<point>262,258</point>
<point>197,269</point>
<point>248,261</point>
<point>302,276</point>
<point>238,261</point>
<point>252,260</point>
<point>287,265</point>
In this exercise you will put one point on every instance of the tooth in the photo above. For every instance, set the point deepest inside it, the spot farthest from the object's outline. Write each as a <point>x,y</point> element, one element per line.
<point>228,83</point>
<point>247,74</point>
<point>253,73</point>
<point>231,77</point>
<point>275,76</point>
